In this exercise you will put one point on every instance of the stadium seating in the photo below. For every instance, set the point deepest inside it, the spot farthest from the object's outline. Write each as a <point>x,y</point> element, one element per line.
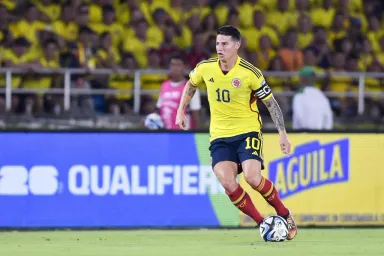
<point>279,35</point>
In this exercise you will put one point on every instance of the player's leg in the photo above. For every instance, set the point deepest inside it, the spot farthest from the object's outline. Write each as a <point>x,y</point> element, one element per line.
<point>250,155</point>
<point>225,167</point>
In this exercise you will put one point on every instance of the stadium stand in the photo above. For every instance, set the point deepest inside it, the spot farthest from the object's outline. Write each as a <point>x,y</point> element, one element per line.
<point>279,35</point>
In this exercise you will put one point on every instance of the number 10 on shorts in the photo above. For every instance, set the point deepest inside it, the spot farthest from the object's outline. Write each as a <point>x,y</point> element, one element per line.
<point>255,144</point>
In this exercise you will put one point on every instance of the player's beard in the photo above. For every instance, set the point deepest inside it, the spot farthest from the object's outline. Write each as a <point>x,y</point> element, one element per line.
<point>222,58</point>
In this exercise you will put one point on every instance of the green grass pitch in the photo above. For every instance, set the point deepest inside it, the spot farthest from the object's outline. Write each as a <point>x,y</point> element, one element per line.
<point>190,242</point>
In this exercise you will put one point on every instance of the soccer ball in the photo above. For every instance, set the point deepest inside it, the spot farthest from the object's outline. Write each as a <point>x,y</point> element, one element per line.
<point>153,122</point>
<point>274,229</point>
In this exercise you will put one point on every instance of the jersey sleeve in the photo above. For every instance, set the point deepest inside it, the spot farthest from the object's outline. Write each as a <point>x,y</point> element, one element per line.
<point>196,77</point>
<point>260,87</point>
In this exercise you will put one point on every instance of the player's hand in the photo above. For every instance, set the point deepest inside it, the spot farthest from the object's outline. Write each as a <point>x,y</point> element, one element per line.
<point>181,120</point>
<point>285,145</point>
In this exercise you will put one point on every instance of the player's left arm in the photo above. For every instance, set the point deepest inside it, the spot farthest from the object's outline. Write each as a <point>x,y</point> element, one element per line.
<point>264,93</point>
<point>276,113</point>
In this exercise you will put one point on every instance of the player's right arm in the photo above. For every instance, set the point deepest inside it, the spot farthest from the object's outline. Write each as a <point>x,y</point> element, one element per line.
<point>195,78</point>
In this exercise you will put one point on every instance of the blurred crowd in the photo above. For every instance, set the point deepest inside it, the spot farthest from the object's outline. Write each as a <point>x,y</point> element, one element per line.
<point>278,35</point>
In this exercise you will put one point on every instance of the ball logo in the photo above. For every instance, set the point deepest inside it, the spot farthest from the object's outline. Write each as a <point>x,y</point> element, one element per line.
<point>236,82</point>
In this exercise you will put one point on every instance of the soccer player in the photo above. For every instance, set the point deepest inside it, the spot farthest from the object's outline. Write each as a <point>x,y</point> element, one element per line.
<point>233,86</point>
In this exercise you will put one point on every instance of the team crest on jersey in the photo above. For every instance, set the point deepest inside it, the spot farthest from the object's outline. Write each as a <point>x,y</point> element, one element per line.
<point>236,82</point>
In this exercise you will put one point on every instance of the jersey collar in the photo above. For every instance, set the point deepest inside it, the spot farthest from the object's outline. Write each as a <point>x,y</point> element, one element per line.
<point>231,70</point>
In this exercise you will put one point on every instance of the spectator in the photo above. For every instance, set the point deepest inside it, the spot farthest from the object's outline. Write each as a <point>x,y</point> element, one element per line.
<point>176,11</point>
<point>374,33</point>
<point>168,48</point>
<point>338,29</point>
<point>140,44</point>
<point>49,10</point>
<point>291,55</point>
<point>152,81</point>
<point>4,18</point>
<point>209,25</point>
<point>6,36</point>
<point>82,49</point>
<point>323,15</point>
<point>161,19</point>
<point>305,35</point>
<point>286,19</point>
<point>311,108</point>
<point>200,8</point>
<point>366,56</point>
<point>124,11</point>
<point>266,53</point>
<point>122,103</point>
<point>170,95</point>
<point>66,28</point>
<point>96,10</point>
<point>29,26</point>
<point>34,102</point>
<point>82,14</point>
<point>310,60</point>
<point>246,11</point>
<point>109,24</point>
<point>198,51</point>
<point>107,56</point>
<point>233,18</point>
<point>301,8</point>
<point>321,48</point>
<point>193,23</point>
<point>223,8</point>
<point>339,84</point>
<point>259,28</point>
<point>18,57</point>
<point>278,84</point>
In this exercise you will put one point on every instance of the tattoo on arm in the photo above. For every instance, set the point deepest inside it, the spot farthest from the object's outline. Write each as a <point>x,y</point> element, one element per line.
<point>276,114</point>
<point>188,93</point>
<point>191,91</point>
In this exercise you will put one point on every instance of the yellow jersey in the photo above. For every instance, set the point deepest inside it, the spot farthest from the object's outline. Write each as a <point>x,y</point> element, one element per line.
<point>229,96</point>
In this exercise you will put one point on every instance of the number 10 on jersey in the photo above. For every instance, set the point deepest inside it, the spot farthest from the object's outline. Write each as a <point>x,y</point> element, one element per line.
<point>223,95</point>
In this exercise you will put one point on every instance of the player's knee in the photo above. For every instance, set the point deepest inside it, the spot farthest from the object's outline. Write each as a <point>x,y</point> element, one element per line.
<point>253,177</point>
<point>252,172</point>
<point>229,185</point>
<point>253,180</point>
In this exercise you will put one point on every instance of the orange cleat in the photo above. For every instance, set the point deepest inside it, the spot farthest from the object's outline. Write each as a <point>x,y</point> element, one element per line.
<point>292,228</point>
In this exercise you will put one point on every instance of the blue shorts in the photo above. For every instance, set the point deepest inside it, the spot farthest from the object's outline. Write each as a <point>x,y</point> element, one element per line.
<point>238,149</point>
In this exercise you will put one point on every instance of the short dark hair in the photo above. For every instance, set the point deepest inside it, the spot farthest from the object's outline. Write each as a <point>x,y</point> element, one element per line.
<point>85,29</point>
<point>178,56</point>
<point>29,6</point>
<point>229,30</point>
<point>108,8</point>
<point>50,41</point>
<point>20,41</point>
